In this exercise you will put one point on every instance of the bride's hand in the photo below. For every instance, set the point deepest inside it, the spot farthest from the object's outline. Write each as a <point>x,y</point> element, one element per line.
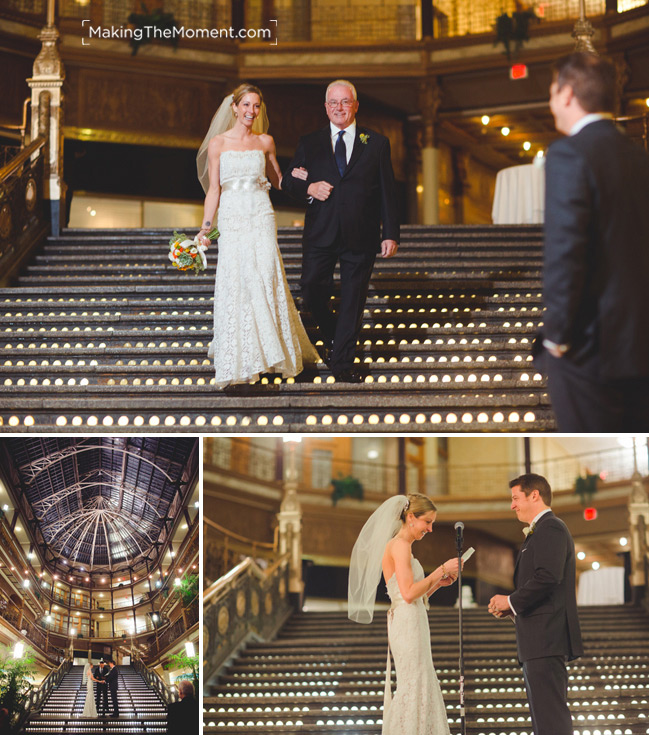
<point>202,239</point>
<point>452,569</point>
<point>300,173</point>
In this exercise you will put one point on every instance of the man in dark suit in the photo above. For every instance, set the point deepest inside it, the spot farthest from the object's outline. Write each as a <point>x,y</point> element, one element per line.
<point>182,716</point>
<point>112,682</point>
<point>101,690</point>
<point>344,174</point>
<point>596,258</point>
<point>544,606</point>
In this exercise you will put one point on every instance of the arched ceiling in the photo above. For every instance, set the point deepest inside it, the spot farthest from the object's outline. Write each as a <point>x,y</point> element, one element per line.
<point>100,502</point>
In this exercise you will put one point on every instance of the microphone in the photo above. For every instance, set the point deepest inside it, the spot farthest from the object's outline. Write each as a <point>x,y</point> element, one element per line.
<point>459,530</point>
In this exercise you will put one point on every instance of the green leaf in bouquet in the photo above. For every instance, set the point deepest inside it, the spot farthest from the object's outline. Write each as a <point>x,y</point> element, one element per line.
<point>185,259</point>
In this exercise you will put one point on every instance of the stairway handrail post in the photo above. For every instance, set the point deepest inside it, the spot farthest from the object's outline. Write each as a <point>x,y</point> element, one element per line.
<point>46,84</point>
<point>459,541</point>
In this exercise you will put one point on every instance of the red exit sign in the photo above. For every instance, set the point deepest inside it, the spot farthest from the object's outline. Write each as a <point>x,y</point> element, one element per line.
<point>518,71</point>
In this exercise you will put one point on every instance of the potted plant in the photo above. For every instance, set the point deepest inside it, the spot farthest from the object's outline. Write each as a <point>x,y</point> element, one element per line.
<point>514,28</point>
<point>346,487</point>
<point>165,23</point>
<point>183,661</point>
<point>586,487</point>
<point>188,589</point>
<point>15,684</point>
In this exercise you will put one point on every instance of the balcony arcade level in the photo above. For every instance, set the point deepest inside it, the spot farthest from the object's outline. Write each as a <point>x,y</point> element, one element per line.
<point>99,557</point>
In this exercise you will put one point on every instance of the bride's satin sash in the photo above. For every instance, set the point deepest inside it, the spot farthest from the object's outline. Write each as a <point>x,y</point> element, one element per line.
<point>246,183</point>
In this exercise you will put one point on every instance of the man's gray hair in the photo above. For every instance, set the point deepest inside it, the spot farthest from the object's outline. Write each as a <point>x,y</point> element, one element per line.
<point>186,688</point>
<point>342,82</point>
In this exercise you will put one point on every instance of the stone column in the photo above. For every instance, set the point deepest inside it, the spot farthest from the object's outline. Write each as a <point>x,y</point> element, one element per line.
<point>290,523</point>
<point>46,85</point>
<point>429,101</point>
<point>413,169</point>
<point>639,525</point>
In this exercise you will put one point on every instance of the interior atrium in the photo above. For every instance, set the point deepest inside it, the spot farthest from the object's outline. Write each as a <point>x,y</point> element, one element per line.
<point>99,558</point>
<point>282,517</point>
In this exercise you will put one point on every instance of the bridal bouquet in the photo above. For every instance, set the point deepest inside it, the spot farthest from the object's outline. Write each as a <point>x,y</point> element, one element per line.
<point>186,254</point>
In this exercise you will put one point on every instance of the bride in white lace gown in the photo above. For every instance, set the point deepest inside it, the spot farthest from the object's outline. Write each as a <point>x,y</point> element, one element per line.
<point>384,545</point>
<point>257,328</point>
<point>89,706</point>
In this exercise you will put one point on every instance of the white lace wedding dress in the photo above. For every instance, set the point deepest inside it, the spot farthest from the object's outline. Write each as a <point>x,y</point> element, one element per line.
<point>257,328</point>
<point>89,707</point>
<point>417,707</point>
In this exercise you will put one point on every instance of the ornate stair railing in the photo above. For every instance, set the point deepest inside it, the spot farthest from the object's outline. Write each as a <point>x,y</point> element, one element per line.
<point>38,696</point>
<point>246,602</point>
<point>153,680</point>
<point>22,216</point>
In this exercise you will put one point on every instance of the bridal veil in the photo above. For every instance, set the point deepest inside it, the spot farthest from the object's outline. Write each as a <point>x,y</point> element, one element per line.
<point>367,557</point>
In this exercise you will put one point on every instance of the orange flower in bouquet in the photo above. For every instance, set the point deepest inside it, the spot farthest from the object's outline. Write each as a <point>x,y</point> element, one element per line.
<point>189,254</point>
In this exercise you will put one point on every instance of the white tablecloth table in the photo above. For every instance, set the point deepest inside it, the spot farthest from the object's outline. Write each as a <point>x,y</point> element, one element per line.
<point>519,197</point>
<point>601,587</point>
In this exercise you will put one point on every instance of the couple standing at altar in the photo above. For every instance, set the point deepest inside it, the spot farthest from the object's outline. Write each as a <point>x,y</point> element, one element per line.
<point>343,174</point>
<point>105,678</point>
<point>543,607</point>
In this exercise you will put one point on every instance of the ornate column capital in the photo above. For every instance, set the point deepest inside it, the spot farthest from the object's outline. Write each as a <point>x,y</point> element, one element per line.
<point>583,31</point>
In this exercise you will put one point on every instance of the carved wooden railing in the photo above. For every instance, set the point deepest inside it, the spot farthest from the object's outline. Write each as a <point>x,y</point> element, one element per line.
<point>246,602</point>
<point>23,625</point>
<point>153,680</point>
<point>10,130</point>
<point>38,696</point>
<point>22,214</point>
<point>223,549</point>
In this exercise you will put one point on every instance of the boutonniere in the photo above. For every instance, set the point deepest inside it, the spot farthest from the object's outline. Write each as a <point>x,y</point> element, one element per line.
<point>529,530</point>
<point>364,138</point>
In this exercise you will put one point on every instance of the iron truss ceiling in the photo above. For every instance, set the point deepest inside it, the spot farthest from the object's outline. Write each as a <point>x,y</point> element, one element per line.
<point>101,502</point>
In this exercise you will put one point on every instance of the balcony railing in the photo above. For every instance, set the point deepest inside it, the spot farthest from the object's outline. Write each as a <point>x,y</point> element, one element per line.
<point>178,628</point>
<point>614,465</point>
<point>34,633</point>
<point>224,549</point>
<point>324,21</point>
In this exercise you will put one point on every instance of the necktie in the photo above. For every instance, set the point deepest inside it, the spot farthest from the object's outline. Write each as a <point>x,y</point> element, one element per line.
<point>340,153</point>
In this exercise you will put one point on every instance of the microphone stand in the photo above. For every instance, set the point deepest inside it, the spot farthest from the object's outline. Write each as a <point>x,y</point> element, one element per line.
<point>459,541</point>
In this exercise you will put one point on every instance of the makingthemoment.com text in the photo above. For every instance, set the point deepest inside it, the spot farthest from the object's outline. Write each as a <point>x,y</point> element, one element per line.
<point>153,32</point>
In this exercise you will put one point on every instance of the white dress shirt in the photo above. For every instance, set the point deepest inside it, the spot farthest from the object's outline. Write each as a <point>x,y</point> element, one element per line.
<point>588,119</point>
<point>348,138</point>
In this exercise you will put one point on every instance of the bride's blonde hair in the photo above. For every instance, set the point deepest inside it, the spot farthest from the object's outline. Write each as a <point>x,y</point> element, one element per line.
<point>261,123</point>
<point>418,505</point>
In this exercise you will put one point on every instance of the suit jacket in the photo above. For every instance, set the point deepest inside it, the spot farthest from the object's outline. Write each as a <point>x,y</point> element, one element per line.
<point>182,716</point>
<point>361,200</point>
<point>545,599</point>
<point>597,250</point>
<point>99,673</point>
<point>112,679</point>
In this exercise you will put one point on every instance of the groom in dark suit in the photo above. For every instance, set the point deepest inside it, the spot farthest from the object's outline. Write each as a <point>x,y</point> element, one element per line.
<point>112,682</point>
<point>344,174</point>
<point>544,606</point>
<point>596,258</point>
<point>101,691</point>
